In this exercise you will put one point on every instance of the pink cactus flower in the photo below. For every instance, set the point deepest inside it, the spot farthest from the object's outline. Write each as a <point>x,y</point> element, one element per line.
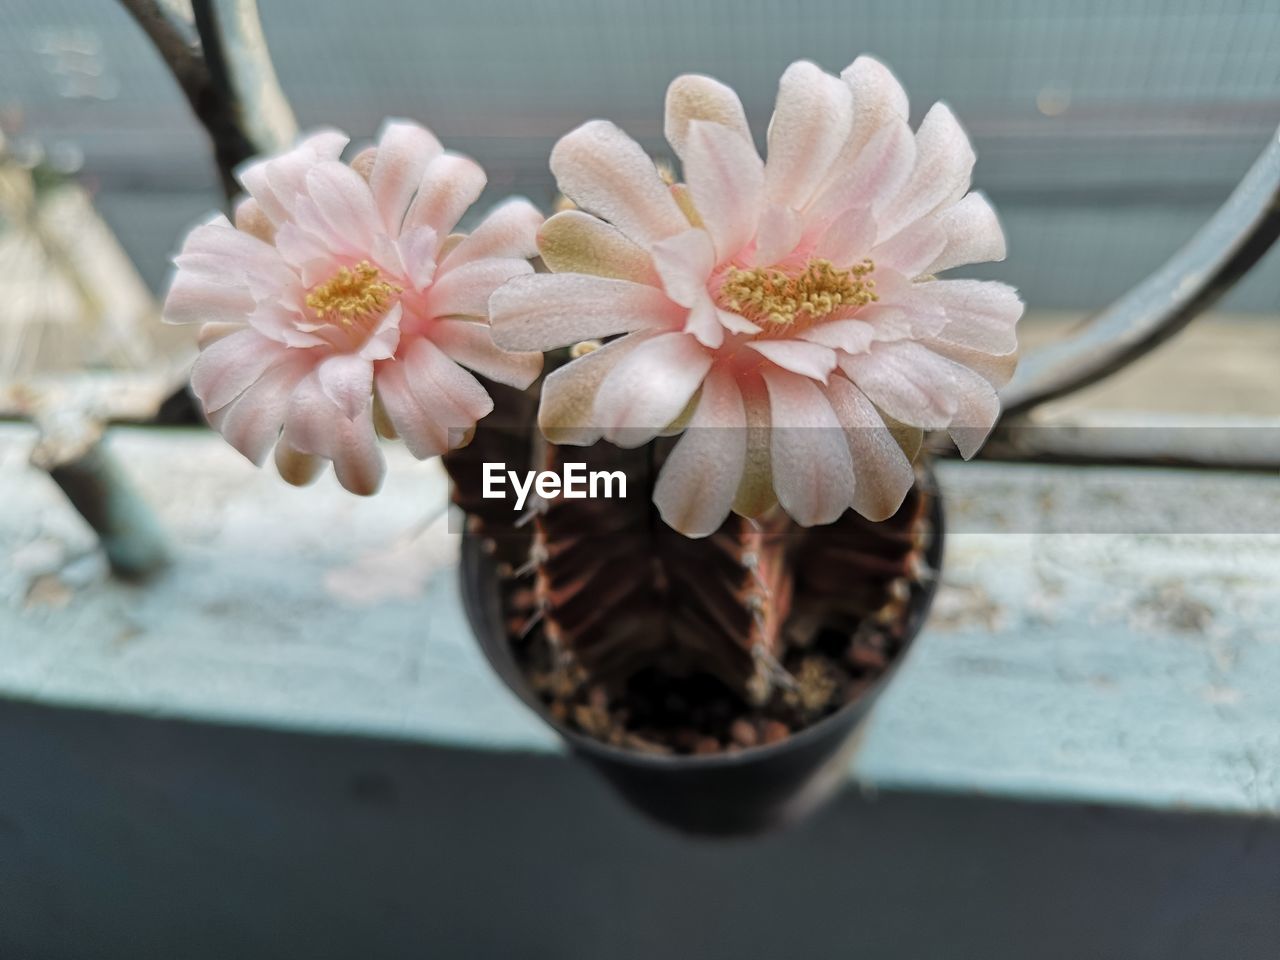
<point>782,314</point>
<point>340,300</point>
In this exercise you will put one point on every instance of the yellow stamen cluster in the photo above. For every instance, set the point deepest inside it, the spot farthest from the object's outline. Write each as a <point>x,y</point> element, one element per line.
<point>774,298</point>
<point>352,295</point>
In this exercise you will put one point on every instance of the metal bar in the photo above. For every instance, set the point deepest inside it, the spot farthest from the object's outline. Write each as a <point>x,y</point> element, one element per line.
<point>219,58</point>
<point>71,451</point>
<point>1224,249</point>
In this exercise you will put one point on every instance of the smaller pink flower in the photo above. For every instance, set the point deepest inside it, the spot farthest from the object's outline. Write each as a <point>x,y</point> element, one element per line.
<point>341,300</point>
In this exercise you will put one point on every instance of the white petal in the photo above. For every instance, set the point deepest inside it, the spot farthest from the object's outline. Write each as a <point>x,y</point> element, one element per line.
<point>440,383</point>
<point>423,434</point>
<point>981,314</point>
<point>684,263</point>
<point>650,387</point>
<point>944,161</point>
<point>251,423</point>
<point>404,150</point>
<point>229,366</point>
<point>471,344</point>
<point>450,184</point>
<point>977,411</point>
<point>812,469</point>
<point>700,478</point>
<point>704,322</point>
<point>910,251</point>
<point>693,97</point>
<point>347,380</point>
<point>907,381</point>
<point>465,291</point>
<point>314,425</point>
<point>605,172</point>
<point>872,177</point>
<point>779,232</point>
<point>799,356</point>
<point>545,311</point>
<point>882,470</point>
<point>575,242</point>
<point>851,336</point>
<point>569,393</point>
<point>810,124</point>
<point>878,100</point>
<point>973,234</point>
<point>510,231</point>
<point>726,180</point>
<point>343,199</point>
<point>849,238</point>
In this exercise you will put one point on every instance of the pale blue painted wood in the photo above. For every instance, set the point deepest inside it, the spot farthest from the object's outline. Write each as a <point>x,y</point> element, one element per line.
<point>1126,667</point>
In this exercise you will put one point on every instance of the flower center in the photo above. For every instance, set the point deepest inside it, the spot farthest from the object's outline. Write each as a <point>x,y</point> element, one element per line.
<point>779,301</point>
<point>352,296</point>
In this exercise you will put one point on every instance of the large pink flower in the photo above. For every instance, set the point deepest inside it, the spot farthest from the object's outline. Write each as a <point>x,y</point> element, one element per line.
<point>778,312</point>
<point>340,300</point>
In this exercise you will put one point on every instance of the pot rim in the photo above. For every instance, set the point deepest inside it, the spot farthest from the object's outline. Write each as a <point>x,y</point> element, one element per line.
<point>474,563</point>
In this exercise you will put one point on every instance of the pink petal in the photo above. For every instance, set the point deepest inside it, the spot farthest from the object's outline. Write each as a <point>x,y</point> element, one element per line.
<point>698,482</point>
<point>878,101</point>
<point>977,410</point>
<point>418,248</point>
<point>435,379</point>
<point>423,435</point>
<point>726,180</point>
<point>996,369</point>
<point>276,182</point>
<point>314,425</point>
<point>650,387</point>
<point>347,380</point>
<point>849,238</point>
<point>684,263</point>
<point>973,234</point>
<point>944,160</point>
<point>981,314</point>
<point>569,393</point>
<point>607,173</point>
<point>510,231</point>
<point>810,124</point>
<point>575,242</point>
<point>693,97</point>
<point>704,323</point>
<point>404,150</point>
<point>229,366</point>
<point>196,299</point>
<point>465,290</point>
<point>471,344</point>
<point>911,250</point>
<point>779,233</point>
<point>872,176</point>
<point>297,468</point>
<point>545,311</point>
<point>799,356</point>
<point>343,199</point>
<point>251,423</point>
<point>450,184</point>
<point>812,468</point>
<point>907,381</point>
<point>851,336</point>
<point>384,340</point>
<point>882,471</point>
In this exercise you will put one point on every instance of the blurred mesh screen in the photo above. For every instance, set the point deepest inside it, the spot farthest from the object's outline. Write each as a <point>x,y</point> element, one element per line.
<point>1106,131</point>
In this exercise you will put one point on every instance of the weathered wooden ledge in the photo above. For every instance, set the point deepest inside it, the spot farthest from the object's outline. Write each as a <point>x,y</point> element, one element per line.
<point>1132,668</point>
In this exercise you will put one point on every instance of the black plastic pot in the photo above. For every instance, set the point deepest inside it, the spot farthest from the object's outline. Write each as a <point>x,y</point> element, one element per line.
<point>746,792</point>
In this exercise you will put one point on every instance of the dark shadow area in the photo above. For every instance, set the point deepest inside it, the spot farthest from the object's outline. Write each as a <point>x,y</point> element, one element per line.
<point>129,837</point>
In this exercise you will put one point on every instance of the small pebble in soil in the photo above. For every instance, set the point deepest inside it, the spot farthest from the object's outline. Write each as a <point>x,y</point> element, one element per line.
<point>774,731</point>
<point>743,733</point>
